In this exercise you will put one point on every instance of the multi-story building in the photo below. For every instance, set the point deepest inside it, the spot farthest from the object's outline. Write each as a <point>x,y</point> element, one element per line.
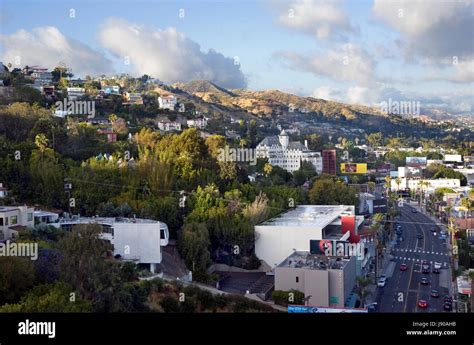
<point>167,102</point>
<point>325,281</point>
<point>137,240</point>
<point>14,218</point>
<point>329,162</point>
<point>277,238</point>
<point>288,155</point>
<point>75,93</point>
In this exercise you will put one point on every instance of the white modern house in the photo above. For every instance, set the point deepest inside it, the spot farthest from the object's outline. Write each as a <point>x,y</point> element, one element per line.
<point>133,239</point>
<point>197,123</point>
<point>167,102</point>
<point>291,231</point>
<point>13,218</point>
<point>288,155</point>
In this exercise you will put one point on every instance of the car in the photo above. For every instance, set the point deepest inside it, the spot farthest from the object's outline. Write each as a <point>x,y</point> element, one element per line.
<point>381,282</point>
<point>448,299</point>
<point>424,281</point>
<point>422,303</point>
<point>433,229</point>
<point>448,306</point>
<point>414,211</point>
<point>437,265</point>
<point>403,267</point>
<point>419,236</point>
<point>434,293</point>
<point>425,267</point>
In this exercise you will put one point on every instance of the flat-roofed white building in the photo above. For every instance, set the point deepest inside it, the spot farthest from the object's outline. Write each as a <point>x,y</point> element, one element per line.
<point>433,184</point>
<point>291,231</point>
<point>138,240</point>
<point>12,218</point>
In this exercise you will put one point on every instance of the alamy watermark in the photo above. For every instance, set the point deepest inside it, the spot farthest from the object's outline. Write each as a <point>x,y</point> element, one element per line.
<point>400,107</point>
<point>19,249</point>
<point>237,155</point>
<point>73,107</point>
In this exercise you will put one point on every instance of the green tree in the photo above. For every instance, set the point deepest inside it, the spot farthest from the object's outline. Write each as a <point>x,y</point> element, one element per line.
<point>17,275</point>
<point>194,246</point>
<point>329,191</point>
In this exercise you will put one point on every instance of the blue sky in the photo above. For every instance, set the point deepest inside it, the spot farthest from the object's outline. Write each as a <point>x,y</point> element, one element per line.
<point>361,51</point>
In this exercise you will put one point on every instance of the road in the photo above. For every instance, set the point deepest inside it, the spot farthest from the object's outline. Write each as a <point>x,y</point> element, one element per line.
<point>403,289</point>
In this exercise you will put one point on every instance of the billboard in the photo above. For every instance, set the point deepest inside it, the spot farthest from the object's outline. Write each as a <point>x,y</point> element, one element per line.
<point>414,172</point>
<point>416,161</point>
<point>354,168</point>
<point>310,309</point>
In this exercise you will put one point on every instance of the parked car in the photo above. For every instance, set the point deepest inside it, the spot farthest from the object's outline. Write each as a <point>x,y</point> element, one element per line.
<point>448,306</point>
<point>414,211</point>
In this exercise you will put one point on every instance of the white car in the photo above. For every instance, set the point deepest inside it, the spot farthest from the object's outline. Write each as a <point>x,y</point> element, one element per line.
<point>382,280</point>
<point>437,265</point>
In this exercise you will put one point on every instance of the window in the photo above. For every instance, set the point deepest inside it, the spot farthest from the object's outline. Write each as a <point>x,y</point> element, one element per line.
<point>6,220</point>
<point>30,217</point>
<point>1,221</point>
<point>297,279</point>
<point>14,220</point>
<point>162,234</point>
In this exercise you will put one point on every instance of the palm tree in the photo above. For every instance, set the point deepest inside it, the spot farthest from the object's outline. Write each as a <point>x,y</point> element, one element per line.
<point>398,181</point>
<point>388,183</point>
<point>267,168</point>
<point>362,291</point>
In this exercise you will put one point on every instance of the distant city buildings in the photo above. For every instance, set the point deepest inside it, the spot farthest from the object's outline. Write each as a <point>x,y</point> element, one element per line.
<point>288,155</point>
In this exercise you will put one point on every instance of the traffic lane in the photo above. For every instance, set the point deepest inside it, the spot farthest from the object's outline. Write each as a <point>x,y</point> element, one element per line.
<point>435,304</point>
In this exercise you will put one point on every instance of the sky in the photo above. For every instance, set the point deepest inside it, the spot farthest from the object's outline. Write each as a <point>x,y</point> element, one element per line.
<point>358,52</point>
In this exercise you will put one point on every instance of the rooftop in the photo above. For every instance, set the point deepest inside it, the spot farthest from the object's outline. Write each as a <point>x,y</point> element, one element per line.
<point>311,216</point>
<point>305,260</point>
<point>104,220</point>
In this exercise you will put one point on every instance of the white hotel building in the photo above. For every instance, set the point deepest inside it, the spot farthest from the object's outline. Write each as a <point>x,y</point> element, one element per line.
<point>288,155</point>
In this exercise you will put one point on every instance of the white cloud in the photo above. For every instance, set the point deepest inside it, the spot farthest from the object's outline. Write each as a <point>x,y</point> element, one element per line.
<point>47,46</point>
<point>168,55</point>
<point>325,92</point>
<point>349,63</point>
<point>320,18</point>
<point>434,30</point>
